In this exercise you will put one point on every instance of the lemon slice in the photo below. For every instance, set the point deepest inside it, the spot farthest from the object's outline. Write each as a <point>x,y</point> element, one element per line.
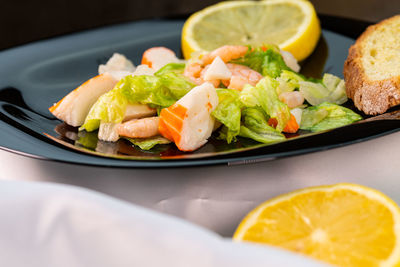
<point>343,224</point>
<point>291,24</point>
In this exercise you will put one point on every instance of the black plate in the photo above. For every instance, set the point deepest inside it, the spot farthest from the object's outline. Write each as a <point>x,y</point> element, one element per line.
<point>34,76</point>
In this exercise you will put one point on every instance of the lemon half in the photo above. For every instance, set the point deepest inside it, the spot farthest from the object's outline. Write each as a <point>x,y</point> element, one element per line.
<point>291,24</point>
<point>343,224</point>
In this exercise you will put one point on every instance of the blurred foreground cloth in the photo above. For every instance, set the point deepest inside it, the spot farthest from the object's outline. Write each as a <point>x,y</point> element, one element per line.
<point>56,225</point>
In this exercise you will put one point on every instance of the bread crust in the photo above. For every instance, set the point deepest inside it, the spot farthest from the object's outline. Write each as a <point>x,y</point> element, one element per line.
<point>371,97</point>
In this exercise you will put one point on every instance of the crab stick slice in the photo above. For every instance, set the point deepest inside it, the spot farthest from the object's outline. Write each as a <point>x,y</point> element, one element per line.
<point>75,106</point>
<point>158,57</point>
<point>138,111</point>
<point>188,122</point>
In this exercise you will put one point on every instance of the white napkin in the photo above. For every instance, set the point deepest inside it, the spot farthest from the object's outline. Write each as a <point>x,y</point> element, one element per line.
<point>45,224</point>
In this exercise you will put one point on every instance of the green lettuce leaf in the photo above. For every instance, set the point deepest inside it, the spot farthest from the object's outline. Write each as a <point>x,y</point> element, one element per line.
<point>331,89</point>
<point>146,89</point>
<point>148,143</point>
<point>269,62</point>
<point>327,116</point>
<point>255,126</point>
<point>264,95</point>
<point>110,107</point>
<point>156,91</point>
<point>289,81</point>
<point>177,84</point>
<point>171,67</point>
<point>311,116</point>
<point>87,139</point>
<point>228,113</point>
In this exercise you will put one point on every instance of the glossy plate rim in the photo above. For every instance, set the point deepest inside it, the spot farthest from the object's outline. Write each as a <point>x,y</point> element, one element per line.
<point>246,157</point>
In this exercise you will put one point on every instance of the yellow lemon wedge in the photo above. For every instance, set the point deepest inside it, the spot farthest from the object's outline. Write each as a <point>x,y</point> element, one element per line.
<point>293,25</point>
<point>343,224</point>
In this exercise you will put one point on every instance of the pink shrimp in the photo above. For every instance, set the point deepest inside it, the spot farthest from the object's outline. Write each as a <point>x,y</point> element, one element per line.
<point>241,75</point>
<point>226,53</point>
<point>141,128</point>
<point>292,99</point>
<point>195,72</point>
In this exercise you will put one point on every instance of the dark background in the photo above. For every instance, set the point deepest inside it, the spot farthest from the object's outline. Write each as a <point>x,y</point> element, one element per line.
<point>26,21</point>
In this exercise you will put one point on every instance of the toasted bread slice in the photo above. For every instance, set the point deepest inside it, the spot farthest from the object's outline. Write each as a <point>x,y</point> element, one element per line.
<point>372,68</point>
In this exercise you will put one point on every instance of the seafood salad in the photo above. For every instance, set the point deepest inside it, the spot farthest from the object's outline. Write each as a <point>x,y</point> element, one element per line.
<point>231,92</point>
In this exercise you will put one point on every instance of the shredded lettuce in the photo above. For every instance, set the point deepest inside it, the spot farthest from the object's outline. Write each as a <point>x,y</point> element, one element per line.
<point>311,116</point>
<point>156,91</point>
<point>264,95</point>
<point>269,62</point>
<point>148,143</point>
<point>177,84</point>
<point>255,126</point>
<point>331,89</point>
<point>171,67</point>
<point>110,107</point>
<point>228,113</point>
<point>327,116</point>
<point>146,89</point>
<point>289,81</point>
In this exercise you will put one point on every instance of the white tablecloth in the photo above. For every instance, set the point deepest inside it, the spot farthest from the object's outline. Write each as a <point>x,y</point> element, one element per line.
<point>62,226</point>
<point>218,197</point>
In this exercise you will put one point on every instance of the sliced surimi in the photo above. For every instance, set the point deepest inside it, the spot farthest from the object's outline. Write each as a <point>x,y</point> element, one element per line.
<point>188,122</point>
<point>75,106</point>
<point>158,57</point>
<point>137,111</point>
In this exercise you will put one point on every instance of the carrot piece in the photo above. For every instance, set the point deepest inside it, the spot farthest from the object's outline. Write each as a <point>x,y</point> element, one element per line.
<point>291,125</point>
<point>171,122</point>
<point>153,53</point>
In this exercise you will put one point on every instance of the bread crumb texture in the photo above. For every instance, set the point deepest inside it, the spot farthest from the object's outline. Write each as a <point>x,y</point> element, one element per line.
<point>372,68</point>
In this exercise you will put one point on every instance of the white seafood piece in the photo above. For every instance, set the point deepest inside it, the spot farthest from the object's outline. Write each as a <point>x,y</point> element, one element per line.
<point>117,63</point>
<point>158,57</point>
<point>217,71</point>
<point>118,75</point>
<point>75,106</point>
<point>138,111</point>
<point>297,113</point>
<point>118,66</point>
<point>189,122</point>
<point>108,131</point>
<point>143,70</point>
<point>290,60</point>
